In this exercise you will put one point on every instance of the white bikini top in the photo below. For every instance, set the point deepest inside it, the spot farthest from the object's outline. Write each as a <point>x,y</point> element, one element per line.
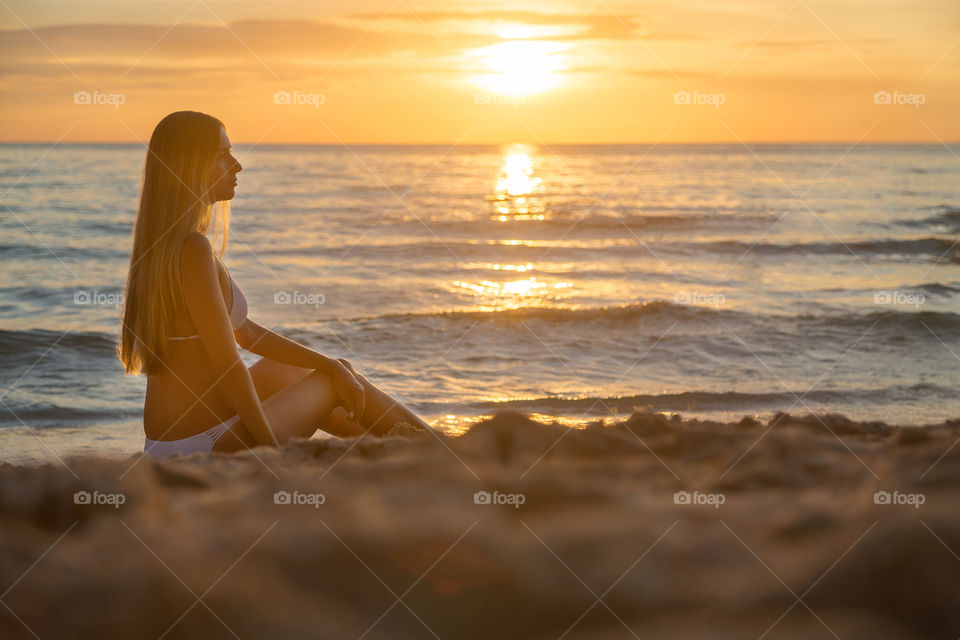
<point>238,314</point>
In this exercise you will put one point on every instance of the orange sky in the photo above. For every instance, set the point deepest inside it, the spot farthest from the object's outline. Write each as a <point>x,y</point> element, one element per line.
<point>439,72</point>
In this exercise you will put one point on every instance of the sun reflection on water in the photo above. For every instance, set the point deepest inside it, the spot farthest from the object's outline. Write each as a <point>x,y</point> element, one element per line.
<point>513,294</point>
<point>517,194</point>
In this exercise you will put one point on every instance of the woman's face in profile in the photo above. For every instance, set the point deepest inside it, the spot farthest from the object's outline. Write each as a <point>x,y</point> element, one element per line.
<point>226,170</point>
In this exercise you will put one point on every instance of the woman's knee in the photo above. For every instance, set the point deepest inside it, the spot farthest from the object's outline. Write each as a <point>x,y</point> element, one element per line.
<point>322,376</point>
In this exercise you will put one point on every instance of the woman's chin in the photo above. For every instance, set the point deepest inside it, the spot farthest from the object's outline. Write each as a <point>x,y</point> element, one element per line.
<point>227,195</point>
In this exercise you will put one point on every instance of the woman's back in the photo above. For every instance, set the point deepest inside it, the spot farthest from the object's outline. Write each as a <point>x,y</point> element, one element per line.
<point>185,398</point>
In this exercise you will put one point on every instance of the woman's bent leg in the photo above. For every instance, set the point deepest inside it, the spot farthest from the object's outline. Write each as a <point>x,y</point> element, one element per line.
<point>295,411</point>
<point>382,411</point>
<point>271,376</point>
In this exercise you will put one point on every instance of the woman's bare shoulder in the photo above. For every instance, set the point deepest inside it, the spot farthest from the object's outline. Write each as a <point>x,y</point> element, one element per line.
<point>197,246</point>
<point>197,253</point>
<point>202,271</point>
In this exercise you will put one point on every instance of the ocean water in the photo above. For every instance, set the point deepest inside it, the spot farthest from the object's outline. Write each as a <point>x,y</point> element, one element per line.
<point>567,281</point>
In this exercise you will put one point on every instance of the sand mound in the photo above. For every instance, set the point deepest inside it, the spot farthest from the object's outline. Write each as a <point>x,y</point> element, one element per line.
<point>655,527</point>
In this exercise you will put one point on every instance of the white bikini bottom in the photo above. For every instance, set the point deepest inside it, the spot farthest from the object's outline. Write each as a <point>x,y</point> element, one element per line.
<point>202,442</point>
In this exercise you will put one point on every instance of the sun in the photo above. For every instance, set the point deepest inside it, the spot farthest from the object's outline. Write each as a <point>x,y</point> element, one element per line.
<point>519,68</point>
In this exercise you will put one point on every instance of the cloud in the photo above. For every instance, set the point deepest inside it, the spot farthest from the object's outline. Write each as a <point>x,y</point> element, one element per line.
<point>569,26</point>
<point>819,43</point>
<point>286,49</point>
<point>276,44</point>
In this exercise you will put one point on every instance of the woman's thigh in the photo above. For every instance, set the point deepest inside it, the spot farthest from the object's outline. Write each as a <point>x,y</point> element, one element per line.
<point>296,409</point>
<point>270,376</point>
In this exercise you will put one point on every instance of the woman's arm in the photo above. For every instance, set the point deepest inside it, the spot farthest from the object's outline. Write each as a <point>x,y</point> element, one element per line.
<point>201,291</point>
<point>264,342</point>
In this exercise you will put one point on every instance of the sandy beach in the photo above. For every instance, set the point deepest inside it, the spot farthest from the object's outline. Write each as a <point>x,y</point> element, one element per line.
<point>655,527</point>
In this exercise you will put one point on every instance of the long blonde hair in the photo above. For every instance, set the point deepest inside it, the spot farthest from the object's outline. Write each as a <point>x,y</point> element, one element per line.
<point>175,199</point>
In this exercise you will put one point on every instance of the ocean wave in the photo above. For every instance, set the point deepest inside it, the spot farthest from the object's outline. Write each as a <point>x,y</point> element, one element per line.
<point>59,252</point>
<point>479,247</point>
<point>673,311</point>
<point>937,289</point>
<point>708,401</point>
<point>24,345</point>
<point>47,415</point>
<point>19,347</point>
<point>947,221</point>
<point>52,415</point>
<point>563,314</point>
<point>929,246</point>
<point>660,222</point>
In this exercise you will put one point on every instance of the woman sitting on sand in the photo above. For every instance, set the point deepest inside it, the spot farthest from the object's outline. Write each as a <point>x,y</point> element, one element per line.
<point>184,316</point>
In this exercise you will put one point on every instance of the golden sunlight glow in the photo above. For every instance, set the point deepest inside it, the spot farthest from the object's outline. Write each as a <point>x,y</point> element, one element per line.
<point>512,294</point>
<point>523,31</point>
<point>506,267</point>
<point>517,178</point>
<point>522,287</point>
<point>483,72</point>
<point>516,195</point>
<point>520,67</point>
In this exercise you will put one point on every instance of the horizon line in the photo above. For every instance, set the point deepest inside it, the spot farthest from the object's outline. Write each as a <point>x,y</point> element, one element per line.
<point>500,144</point>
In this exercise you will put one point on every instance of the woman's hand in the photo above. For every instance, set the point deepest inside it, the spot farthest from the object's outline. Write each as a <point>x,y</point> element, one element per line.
<point>349,390</point>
